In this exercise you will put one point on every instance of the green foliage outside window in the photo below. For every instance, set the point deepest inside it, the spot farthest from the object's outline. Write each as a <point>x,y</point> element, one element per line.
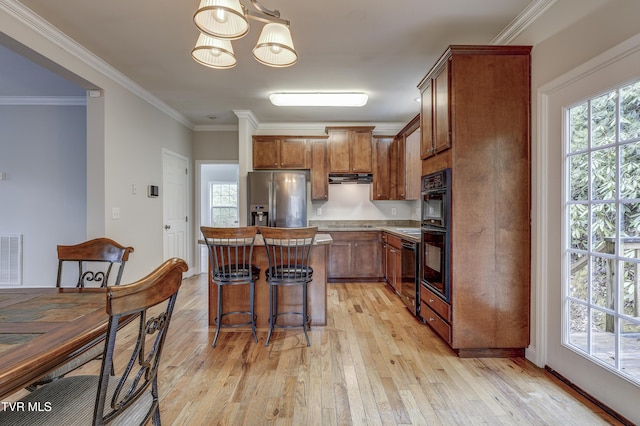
<point>604,204</point>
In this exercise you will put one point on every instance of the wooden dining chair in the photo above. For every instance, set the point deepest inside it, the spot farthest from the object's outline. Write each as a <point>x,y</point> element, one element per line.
<point>131,396</point>
<point>95,260</point>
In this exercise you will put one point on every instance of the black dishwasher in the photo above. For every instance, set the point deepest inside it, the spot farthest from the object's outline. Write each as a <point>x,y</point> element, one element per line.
<point>410,277</point>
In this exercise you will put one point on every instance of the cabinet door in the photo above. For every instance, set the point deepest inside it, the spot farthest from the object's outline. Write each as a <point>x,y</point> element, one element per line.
<point>382,165</point>
<point>366,258</point>
<point>265,153</point>
<point>338,149</point>
<point>441,120</point>
<point>361,151</point>
<point>339,262</point>
<point>293,152</point>
<point>397,169</point>
<point>426,120</point>
<point>319,175</point>
<point>413,165</point>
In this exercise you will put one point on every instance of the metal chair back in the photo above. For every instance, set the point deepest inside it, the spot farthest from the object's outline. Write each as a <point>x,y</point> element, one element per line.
<point>95,260</point>
<point>140,376</point>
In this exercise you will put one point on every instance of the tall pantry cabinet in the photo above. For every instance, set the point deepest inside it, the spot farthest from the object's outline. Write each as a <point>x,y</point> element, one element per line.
<point>475,119</point>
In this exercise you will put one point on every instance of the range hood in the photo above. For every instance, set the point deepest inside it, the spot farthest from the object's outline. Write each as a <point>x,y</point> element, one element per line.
<point>336,178</point>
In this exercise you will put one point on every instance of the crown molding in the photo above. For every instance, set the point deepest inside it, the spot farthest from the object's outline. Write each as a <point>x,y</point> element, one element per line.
<point>522,21</point>
<point>36,23</point>
<point>43,100</point>
<point>297,128</point>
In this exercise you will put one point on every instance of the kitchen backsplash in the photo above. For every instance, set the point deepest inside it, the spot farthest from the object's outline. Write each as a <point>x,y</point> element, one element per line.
<point>351,202</point>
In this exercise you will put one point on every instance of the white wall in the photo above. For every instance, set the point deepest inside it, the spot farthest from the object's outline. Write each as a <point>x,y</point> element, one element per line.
<point>570,33</point>
<point>125,138</point>
<point>43,154</point>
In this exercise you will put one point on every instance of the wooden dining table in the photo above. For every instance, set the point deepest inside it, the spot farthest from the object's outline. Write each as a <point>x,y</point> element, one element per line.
<point>43,328</point>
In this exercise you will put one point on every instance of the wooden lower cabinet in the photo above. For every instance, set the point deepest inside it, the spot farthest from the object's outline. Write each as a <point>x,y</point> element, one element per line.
<point>392,251</point>
<point>355,256</point>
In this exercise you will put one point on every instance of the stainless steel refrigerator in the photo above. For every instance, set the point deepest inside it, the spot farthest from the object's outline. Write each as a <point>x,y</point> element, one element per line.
<point>277,199</point>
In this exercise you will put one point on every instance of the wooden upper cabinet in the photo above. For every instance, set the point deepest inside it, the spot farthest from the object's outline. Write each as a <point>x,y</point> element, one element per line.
<point>413,165</point>
<point>382,168</point>
<point>265,153</point>
<point>293,153</point>
<point>319,172</point>
<point>279,152</point>
<point>350,149</point>
<point>435,115</point>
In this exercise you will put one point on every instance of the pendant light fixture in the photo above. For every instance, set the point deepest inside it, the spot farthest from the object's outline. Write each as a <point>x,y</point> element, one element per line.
<point>214,52</point>
<point>220,21</point>
<point>275,46</point>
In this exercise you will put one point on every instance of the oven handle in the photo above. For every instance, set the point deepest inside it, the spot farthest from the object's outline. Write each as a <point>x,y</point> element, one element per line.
<point>408,245</point>
<point>432,230</point>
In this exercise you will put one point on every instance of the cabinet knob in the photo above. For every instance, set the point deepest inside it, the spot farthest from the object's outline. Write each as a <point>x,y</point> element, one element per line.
<point>431,319</point>
<point>275,164</point>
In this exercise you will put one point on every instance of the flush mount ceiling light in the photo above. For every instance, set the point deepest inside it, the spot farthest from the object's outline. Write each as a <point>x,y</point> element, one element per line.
<point>224,20</point>
<point>319,99</point>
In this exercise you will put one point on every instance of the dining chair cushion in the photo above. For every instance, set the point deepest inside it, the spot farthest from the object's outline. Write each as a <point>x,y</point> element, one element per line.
<point>71,401</point>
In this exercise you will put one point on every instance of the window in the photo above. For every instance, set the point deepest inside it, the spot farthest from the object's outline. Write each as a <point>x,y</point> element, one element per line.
<point>223,207</point>
<point>601,306</point>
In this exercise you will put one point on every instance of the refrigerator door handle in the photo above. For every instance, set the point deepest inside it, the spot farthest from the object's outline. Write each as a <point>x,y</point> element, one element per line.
<point>272,202</point>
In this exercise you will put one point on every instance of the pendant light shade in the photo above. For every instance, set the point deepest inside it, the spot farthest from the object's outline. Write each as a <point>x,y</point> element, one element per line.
<point>213,52</point>
<point>222,19</point>
<point>275,46</point>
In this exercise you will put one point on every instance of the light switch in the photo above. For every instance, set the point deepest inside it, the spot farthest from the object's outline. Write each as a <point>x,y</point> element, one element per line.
<point>134,189</point>
<point>393,211</point>
<point>115,213</point>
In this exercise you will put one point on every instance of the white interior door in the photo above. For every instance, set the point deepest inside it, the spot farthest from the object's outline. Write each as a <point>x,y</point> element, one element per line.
<point>175,205</point>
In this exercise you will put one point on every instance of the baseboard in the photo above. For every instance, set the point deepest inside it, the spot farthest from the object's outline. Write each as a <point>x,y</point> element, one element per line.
<point>587,396</point>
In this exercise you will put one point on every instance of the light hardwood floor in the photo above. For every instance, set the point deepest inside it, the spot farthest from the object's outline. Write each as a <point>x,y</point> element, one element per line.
<point>372,364</point>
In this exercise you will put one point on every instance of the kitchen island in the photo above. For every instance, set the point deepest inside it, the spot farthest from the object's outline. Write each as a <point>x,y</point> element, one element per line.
<point>236,298</point>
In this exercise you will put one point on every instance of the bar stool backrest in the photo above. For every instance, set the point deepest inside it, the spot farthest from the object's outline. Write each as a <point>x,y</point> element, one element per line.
<point>230,252</point>
<point>288,252</point>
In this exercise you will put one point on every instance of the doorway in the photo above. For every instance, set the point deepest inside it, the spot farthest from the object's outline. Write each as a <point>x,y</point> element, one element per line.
<point>218,200</point>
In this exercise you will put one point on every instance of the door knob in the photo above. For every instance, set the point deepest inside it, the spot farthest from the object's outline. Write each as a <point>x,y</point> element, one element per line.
<point>167,227</point>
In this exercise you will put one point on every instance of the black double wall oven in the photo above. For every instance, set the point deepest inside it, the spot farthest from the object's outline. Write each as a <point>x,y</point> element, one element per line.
<point>436,233</point>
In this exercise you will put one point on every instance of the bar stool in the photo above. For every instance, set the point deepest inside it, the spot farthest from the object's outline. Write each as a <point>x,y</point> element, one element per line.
<point>230,254</point>
<point>288,253</point>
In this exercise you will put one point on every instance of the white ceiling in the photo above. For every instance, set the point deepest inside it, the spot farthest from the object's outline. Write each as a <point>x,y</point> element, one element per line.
<point>383,48</point>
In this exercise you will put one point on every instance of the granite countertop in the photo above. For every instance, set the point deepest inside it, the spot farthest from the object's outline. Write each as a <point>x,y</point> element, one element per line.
<point>406,229</point>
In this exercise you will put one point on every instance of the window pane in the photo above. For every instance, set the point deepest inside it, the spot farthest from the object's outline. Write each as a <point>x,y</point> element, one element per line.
<point>630,170</point>
<point>630,112</point>
<point>602,275</point>
<point>629,353</point>
<point>579,176</point>
<point>603,227</point>
<point>602,337</point>
<point>578,223</point>
<point>630,289</point>
<point>579,283</point>
<point>603,169</point>
<point>579,128</point>
<point>630,226</point>
<point>578,325</point>
<point>603,119</point>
